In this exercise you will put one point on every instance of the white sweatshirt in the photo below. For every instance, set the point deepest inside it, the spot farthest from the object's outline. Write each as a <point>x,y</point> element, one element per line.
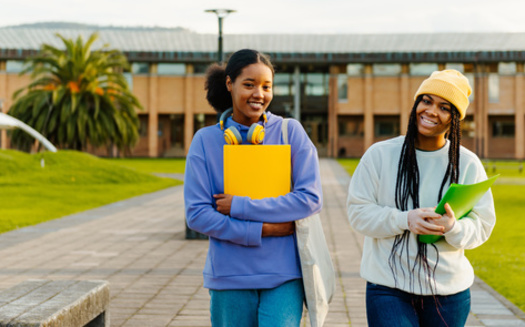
<point>372,211</point>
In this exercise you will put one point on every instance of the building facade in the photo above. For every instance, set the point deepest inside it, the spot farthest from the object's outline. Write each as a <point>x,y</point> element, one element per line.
<point>348,91</point>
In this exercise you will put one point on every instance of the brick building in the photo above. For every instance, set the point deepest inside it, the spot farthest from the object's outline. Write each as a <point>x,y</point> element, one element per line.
<point>348,91</point>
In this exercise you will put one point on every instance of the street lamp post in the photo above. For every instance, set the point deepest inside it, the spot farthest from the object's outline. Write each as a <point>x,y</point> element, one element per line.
<point>221,13</point>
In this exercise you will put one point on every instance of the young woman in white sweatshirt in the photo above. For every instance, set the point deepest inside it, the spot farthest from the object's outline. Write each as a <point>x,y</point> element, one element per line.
<point>391,200</point>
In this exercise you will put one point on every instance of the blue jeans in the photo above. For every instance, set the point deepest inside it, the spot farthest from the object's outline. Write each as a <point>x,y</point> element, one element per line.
<point>391,307</point>
<point>280,306</point>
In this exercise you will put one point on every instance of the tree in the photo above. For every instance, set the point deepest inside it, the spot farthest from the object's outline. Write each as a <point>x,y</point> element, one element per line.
<point>77,97</point>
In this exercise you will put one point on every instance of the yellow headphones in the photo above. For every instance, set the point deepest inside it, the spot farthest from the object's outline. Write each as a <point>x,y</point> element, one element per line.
<point>233,136</point>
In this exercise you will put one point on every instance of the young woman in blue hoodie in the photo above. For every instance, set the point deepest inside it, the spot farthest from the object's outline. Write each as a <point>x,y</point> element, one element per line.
<point>252,269</point>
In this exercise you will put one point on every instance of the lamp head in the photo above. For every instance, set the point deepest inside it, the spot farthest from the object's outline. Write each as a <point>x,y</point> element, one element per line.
<point>221,12</point>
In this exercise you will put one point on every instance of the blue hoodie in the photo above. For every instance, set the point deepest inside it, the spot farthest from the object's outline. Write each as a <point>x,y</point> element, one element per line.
<point>238,257</point>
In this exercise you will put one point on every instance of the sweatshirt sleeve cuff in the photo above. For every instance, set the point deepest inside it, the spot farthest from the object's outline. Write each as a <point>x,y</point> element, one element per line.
<point>237,208</point>
<point>453,232</point>
<point>254,234</point>
<point>402,220</point>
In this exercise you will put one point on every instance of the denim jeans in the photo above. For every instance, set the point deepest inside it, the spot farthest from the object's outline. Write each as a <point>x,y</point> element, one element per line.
<point>280,306</point>
<point>391,307</point>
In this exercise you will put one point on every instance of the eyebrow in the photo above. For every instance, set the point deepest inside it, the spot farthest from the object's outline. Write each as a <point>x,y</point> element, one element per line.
<point>433,99</point>
<point>249,79</point>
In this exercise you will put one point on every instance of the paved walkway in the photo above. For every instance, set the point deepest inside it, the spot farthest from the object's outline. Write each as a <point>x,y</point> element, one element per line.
<point>138,245</point>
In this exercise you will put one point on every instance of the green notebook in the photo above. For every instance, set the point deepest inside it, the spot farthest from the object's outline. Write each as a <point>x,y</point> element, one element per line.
<point>462,198</point>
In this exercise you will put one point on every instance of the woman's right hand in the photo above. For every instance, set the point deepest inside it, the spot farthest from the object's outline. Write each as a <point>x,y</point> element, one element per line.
<point>421,222</point>
<point>278,229</point>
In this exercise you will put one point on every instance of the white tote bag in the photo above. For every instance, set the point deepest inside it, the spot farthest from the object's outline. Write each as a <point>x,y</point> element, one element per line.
<point>316,263</point>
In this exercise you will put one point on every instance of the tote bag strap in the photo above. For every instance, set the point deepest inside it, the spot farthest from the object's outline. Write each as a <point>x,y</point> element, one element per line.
<point>284,130</point>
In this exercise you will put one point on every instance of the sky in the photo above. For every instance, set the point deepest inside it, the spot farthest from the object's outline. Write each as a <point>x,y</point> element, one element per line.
<point>280,16</point>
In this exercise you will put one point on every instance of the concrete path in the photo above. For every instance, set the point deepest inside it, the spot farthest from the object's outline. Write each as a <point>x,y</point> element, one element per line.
<point>155,276</point>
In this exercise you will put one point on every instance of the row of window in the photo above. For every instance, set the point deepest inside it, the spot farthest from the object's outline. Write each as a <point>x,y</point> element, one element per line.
<point>175,69</point>
<point>311,84</point>
<point>386,126</point>
<point>389,127</point>
<point>355,69</point>
<point>316,84</point>
<point>16,66</point>
<point>493,87</point>
<point>425,69</point>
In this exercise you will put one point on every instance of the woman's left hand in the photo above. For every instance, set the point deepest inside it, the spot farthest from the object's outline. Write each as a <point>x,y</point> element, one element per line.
<point>223,202</point>
<point>447,220</point>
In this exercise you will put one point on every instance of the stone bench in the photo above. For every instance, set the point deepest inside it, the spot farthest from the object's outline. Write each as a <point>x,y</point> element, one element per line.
<point>64,303</point>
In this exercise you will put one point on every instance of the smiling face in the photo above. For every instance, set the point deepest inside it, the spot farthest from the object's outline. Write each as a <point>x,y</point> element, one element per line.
<point>433,115</point>
<point>251,93</point>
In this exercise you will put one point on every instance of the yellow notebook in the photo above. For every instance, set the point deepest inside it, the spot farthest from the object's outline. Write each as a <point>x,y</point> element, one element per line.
<point>257,171</point>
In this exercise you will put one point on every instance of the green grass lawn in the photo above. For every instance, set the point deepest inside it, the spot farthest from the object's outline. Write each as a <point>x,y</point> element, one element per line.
<point>349,164</point>
<point>507,168</point>
<point>500,262</point>
<point>152,165</point>
<point>69,182</point>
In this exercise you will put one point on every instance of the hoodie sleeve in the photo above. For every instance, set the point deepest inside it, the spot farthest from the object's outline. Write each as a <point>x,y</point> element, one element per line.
<point>201,214</point>
<point>306,197</point>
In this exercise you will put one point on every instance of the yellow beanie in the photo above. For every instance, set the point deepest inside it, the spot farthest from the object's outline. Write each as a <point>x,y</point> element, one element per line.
<point>449,84</point>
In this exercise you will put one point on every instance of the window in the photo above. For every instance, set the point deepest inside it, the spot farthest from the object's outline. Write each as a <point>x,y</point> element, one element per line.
<point>507,68</point>
<point>468,127</point>
<point>342,87</point>
<point>200,68</point>
<point>281,84</point>
<point>503,128</point>
<point>386,69</point>
<point>160,129</point>
<point>493,81</point>
<point>350,126</point>
<point>202,120</point>
<point>355,69</point>
<point>129,79</point>
<point>423,69</point>
<point>14,66</point>
<point>457,66</point>
<point>143,127</point>
<point>470,77</point>
<point>176,130</point>
<point>386,126</point>
<point>140,68</point>
<point>316,84</point>
<point>171,69</point>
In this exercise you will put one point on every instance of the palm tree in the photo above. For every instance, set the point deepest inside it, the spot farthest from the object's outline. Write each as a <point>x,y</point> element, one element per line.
<point>77,97</point>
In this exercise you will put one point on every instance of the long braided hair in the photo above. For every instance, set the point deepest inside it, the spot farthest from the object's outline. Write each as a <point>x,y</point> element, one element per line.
<point>407,189</point>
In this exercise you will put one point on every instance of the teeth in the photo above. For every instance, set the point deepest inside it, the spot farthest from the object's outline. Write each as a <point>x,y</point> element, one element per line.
<point>429,121</point>
<point>256,105</point>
